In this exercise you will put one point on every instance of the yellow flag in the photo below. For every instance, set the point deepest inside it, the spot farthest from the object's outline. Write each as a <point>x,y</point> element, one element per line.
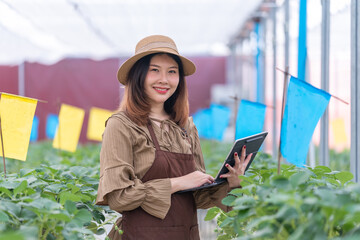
<point>96,125</point>
<point>68,132</point>
<point>17,114</point>
<point>338,128</point>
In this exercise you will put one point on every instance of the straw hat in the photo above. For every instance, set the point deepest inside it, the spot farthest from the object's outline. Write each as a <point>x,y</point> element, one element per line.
<point>149,45</point>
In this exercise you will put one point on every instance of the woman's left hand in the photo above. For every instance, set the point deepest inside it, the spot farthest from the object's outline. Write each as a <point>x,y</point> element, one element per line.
<point>238,169</point>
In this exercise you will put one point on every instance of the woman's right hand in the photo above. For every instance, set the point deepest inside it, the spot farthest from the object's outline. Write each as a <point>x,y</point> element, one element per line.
<point>191,180</point>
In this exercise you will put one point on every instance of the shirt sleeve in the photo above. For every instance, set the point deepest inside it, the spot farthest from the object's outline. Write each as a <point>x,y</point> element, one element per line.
<point>119,187</point>
<point>207,197</point>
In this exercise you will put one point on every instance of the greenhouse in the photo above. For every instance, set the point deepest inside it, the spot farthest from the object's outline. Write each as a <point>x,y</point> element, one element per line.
<point>265,104</point>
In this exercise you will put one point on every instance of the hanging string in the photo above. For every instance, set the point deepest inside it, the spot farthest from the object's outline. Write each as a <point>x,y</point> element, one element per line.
<point>337,98</point>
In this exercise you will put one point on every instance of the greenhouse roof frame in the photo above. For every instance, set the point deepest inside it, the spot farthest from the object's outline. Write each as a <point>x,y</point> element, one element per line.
<point>47,31</point>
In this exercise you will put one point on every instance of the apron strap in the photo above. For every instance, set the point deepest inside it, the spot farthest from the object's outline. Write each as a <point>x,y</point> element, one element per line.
<point>153,137</point>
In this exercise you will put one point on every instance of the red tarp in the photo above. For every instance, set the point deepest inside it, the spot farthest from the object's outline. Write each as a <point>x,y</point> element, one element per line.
<point>9,79</point>
<point>86,83</point>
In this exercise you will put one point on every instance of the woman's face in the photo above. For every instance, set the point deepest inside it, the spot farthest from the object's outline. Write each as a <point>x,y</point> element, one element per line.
<point>161,79</point>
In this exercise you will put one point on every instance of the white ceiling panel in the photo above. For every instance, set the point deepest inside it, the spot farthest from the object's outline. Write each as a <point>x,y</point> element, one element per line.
<point>98,29</point>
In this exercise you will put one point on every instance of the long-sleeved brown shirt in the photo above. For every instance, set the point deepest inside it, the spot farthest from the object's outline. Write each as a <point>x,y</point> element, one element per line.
<point>128,152</point>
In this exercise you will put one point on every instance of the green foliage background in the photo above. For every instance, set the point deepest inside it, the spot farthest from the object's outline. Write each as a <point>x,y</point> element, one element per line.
<point>52,196</point>
<point>299,203</point>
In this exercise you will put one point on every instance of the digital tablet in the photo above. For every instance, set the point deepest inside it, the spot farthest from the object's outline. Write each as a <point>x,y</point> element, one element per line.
<point>253,144</point>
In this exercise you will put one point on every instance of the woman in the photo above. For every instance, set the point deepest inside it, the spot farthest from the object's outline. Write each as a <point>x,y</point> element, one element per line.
<point>151,150</point>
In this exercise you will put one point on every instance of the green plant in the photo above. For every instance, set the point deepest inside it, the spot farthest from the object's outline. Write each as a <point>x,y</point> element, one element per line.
<point>300,203</point>
<point>54,197</point>
<point>214,153</point>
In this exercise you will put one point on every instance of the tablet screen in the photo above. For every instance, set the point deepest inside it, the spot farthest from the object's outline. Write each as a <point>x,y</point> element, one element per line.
<point>253,144</point>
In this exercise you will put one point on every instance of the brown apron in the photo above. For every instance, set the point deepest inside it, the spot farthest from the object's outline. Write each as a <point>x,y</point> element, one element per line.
<point>180,222</point>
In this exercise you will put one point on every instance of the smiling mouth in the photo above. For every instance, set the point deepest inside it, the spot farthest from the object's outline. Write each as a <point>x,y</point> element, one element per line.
<point>161,90</point>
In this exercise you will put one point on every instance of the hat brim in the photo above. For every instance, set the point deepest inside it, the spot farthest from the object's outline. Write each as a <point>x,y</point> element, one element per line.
<point>123,71</point>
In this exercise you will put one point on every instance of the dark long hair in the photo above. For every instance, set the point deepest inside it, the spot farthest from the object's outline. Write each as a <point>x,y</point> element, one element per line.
<point>135,102</point>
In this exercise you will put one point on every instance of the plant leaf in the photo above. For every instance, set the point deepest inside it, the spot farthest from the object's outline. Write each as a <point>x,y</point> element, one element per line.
<point>81,217</point>
<point>344,177</point>
<point>10,207</point>
<point>211,213</point>
<point>26,172</point>
<point>100,231</point>
<point>281,182</point>
<point>9,184</point>
<point>299,178</point>
<point>22,186</point>
<point>70,206</point>
<point>61,215</point>
<point>4,217</point>
<point>6,191</point>
<point>12,236</point>
<point>98,216</point>
<point>55,188</point>
<point>228,200</point>
<point>74,189</point>
<point>64,196</point>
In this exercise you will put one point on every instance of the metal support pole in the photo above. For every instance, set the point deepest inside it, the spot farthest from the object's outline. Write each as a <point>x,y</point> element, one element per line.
<point>231,68</point>
<point>286,31</point>
<point>274,39</point>
<point>286,58</point>
<point>325,48</point>
<point>355,90</point>
<point>311,154</point>
<point>21,79</point>
<point>239,69</point>
<point>232,80</point>
<point>263,56</point>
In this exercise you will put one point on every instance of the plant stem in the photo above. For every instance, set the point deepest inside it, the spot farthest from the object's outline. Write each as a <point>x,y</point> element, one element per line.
<point>47,232</point>
<point>41,235</point>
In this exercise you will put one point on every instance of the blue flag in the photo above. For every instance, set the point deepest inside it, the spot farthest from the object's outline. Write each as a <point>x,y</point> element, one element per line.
<point>304,106</point>
<point>220,120</point>
<point>203,122</point>
<point>212,122</point>
<point>51,124</point>
<point>250,119</point>
<point>34,130</point>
